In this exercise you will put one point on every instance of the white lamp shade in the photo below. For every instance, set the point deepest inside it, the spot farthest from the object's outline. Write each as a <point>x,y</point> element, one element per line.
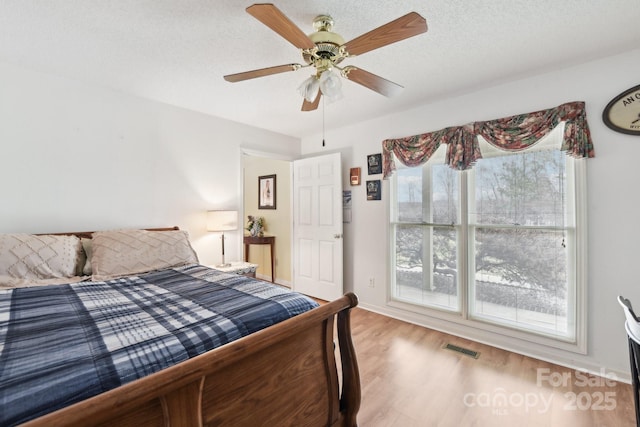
<point>331,85</point>
<point>309,88</point>
<point>222,220</point>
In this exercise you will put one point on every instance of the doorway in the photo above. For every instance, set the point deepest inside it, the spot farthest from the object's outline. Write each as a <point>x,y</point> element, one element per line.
<point>277,221</point>
<point>318,244</point>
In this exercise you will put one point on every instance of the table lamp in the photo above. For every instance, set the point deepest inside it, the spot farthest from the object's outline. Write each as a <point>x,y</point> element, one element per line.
<point>222,221</point>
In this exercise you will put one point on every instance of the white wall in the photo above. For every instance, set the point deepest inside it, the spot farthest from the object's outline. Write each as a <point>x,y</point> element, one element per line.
<point>614,202</point>
<point>77,157</point>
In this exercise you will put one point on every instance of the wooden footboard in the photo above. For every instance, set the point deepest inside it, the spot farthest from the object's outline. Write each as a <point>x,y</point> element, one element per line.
<point>285,375</point>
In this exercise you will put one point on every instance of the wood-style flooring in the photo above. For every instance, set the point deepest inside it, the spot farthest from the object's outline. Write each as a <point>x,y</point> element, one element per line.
<point>408,379</point>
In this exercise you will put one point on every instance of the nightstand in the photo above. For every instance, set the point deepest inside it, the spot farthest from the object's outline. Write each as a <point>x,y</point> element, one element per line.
<point>262,240</point>
<point>243,268</point>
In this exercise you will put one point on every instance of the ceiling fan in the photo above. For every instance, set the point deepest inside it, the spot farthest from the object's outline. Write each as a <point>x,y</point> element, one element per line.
<point>324,50</point>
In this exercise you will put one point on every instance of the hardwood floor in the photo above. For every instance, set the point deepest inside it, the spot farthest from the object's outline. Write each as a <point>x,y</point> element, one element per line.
<point>409,379</point>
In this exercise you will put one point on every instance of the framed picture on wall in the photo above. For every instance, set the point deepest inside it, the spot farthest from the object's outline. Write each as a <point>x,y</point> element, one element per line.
<point>354,174</point>
<point>373,190</point>
<point>374,163</point>
<point>267,192</point>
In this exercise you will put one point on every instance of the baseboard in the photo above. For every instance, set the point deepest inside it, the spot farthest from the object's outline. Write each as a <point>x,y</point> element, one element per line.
<point>574,361</point>
<point>267,278</point>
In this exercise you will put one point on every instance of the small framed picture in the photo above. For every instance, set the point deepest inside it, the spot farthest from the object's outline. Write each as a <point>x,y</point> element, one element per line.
<point>373,190</point>
<point>346,199</point>
<point>267,192</point>
<point>346,206</point>
<point>354,174</point>
<point>374,162</point>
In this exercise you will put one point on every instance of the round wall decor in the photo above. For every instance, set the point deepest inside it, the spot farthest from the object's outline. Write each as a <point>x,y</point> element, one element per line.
<point>622,114</point>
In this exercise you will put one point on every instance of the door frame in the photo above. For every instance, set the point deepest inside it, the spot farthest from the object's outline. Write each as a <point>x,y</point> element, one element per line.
<point>244,151</point>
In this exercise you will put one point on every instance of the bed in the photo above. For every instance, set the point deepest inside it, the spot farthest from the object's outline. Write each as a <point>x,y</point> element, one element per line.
<point>102,333</point>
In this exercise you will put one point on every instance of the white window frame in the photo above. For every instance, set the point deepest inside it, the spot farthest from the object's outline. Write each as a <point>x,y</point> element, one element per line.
<point>465,324</point>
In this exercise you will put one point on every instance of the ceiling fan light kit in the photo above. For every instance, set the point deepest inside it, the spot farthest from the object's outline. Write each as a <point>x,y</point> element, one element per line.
<point>309,88</point>
<point>324,50</point>
<point>331,85</point>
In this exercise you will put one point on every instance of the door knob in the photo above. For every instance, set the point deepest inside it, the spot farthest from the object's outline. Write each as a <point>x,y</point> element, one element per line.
<point>337,236</point>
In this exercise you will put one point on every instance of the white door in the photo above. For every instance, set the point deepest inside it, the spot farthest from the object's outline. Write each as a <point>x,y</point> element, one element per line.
<point>317,226</point>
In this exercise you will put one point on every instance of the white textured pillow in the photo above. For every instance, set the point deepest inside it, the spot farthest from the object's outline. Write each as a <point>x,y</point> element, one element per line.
<point>128,252</point>
<point>29,257</point>
<point>86,245</point>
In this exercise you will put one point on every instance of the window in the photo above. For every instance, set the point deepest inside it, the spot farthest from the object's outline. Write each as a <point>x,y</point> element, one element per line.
<point>496,245</point>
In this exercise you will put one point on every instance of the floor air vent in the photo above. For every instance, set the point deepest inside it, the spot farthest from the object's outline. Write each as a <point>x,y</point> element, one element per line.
<point>464,351</point>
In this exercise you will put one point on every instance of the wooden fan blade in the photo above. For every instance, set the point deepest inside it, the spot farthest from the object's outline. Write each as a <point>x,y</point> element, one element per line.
<point>402,28</point>
<point>271,16</point>
<point>310,106</point>
<point>261,72</point>
<point>371,81</point>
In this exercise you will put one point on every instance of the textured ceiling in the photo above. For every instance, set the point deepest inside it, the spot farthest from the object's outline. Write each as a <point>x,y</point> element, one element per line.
<point>177,51</point>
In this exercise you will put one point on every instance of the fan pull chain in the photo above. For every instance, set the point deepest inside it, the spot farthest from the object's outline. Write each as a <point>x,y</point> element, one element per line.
<point>323,121</point>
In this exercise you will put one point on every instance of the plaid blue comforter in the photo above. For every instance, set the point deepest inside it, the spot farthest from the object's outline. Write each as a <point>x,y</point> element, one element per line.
<point>61,344</point>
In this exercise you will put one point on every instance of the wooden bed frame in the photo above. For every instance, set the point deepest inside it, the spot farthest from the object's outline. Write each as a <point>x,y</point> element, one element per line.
<point>284,375</point>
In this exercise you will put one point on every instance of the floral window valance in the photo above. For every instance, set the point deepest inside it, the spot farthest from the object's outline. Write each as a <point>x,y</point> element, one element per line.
<point>513,133</point>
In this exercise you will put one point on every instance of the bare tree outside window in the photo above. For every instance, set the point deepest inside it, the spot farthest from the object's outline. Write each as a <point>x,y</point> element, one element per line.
<point>519,229</point>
